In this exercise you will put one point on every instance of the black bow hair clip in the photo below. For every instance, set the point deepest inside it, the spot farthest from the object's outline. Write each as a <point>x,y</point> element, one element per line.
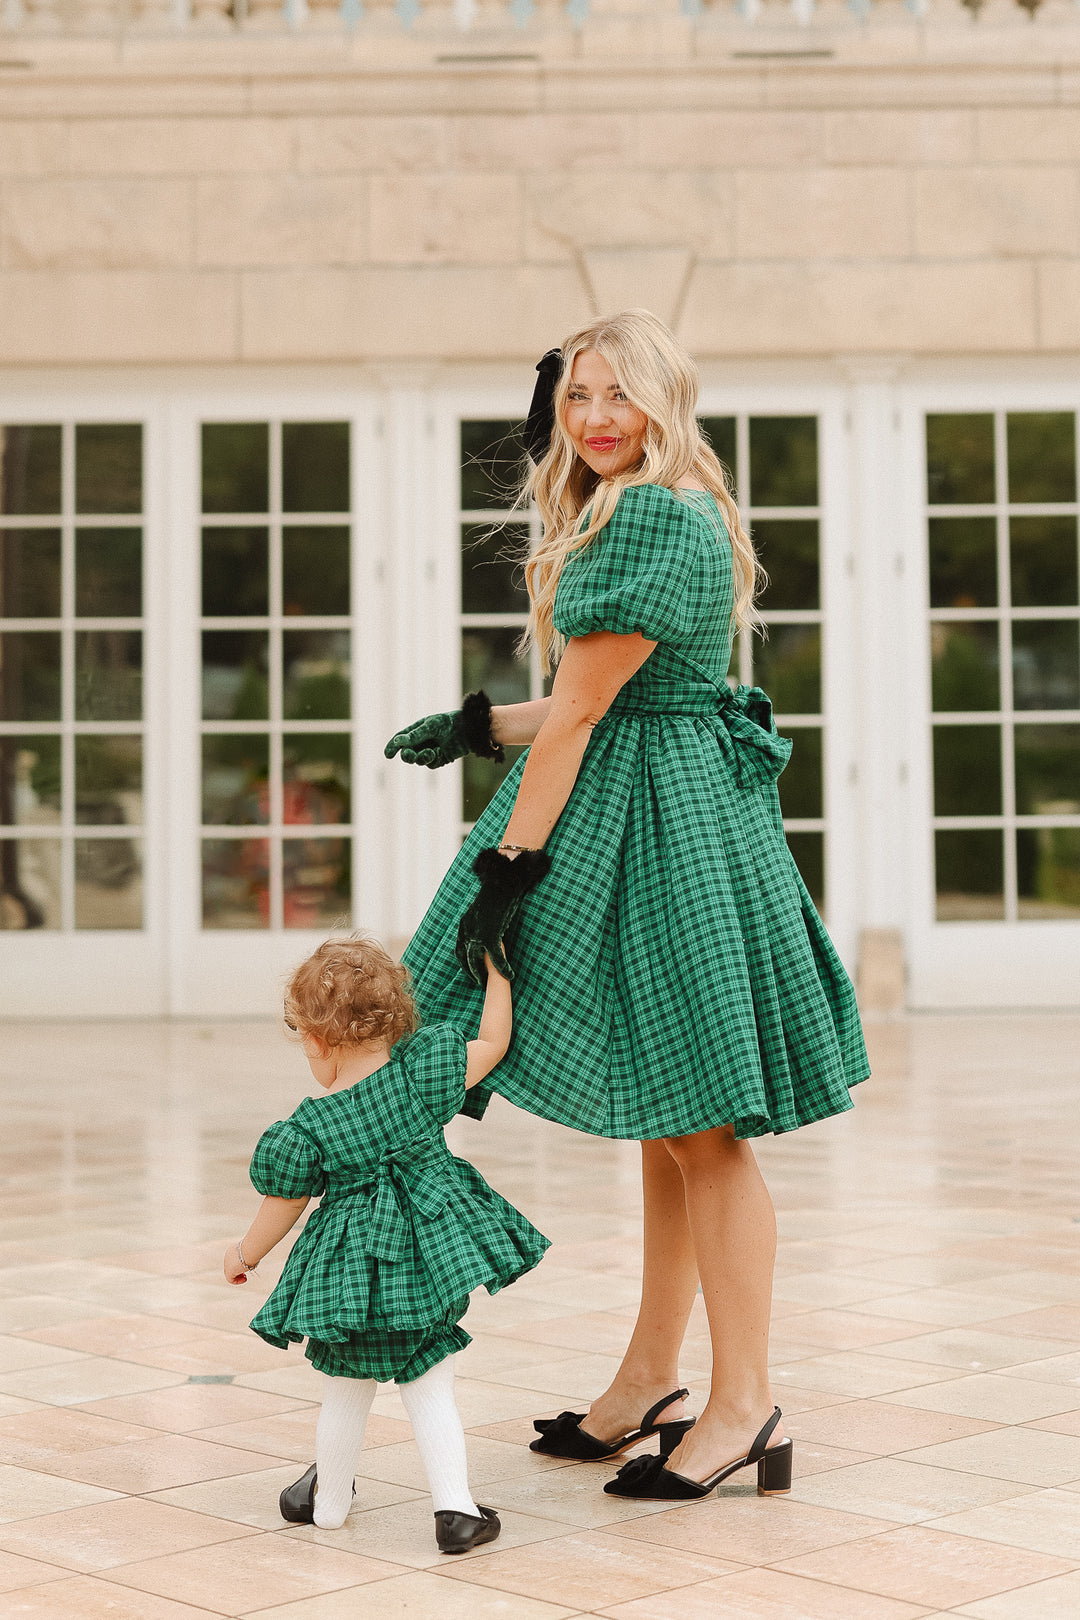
<point>540,422</point>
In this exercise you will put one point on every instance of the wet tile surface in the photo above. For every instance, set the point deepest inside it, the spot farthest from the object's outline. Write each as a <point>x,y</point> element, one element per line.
<point>926,1351</point>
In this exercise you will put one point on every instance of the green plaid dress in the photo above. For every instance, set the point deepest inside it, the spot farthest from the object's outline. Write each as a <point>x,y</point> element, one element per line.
<point>379,1278</point>
<point>671,971</point>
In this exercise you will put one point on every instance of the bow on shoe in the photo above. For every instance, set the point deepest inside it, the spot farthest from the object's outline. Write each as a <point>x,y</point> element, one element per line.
<point>641,1471</point>
<point>559,1428</point>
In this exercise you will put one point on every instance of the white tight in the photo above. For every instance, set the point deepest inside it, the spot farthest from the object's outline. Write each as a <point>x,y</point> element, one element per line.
<point>436,1424</point>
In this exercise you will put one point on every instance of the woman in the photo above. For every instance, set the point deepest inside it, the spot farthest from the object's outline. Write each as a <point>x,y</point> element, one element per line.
<point>680,988</point>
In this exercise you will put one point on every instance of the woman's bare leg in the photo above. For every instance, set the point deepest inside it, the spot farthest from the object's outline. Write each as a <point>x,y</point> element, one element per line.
<point>650,1367</point>
<point>733,1229</point>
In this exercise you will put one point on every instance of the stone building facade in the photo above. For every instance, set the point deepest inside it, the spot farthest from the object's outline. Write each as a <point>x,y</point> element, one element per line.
<point>271,289</point>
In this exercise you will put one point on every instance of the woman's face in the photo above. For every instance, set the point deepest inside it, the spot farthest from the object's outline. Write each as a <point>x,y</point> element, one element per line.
<point>608,432</point>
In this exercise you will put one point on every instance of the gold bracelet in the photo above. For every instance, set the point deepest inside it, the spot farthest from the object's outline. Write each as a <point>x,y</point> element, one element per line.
<point>519,849</point>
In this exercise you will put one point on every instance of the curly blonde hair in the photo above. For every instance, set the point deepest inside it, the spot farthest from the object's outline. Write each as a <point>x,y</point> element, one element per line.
<point>350,991</point>
<point>657,376</point>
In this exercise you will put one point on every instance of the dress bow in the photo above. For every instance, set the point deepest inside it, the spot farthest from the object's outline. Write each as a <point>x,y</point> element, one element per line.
<point>760,753</point>
<point>407,1179</point>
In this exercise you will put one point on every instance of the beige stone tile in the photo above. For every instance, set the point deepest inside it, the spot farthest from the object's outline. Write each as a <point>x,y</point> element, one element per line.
<point>815,1289</point>
<point>1060,1321</point>
<point>16,1572</point>
<point>1043,1521</point>
<point>156,1464</point>
<point>478,1402</point>
<point>110,316</point>
<point>405,1533</point>
<point>856,1373</point>
<point>573,1378</point>
<point>22,1313</point>
<point>992,1397</point>
<point>213,1353</point>
<point>1056,1599</point>
<point>933,1271</point>
<point>250,1573</point>
<point>763,1594</point>
<point>995,210</point>
<point>281,219</point>
<point>1061,1423</point>
<point>594,1331</point>
<point>447,218</point>
<point>814,213</point>
<point>37,147</point>
<point>26,1493</point>
<point>87,1378</point>
<point>687,209</point>
<point>878,1426</point>
<point>588,1570</point>
<point>10,1405</point>
<point>178,146</point>
<point>974,1349</point>
<point>1005,134</point>
<point>910,1492</point>
<point>681,137</point>
<point>488,1460</point>
<point>35,1438</point>
<point>407,1597</point>
<point>97,224</point>
<point>1040,1287</point>
<point>1030,1456</point>
<point>186,1408</point>
<point>296,1379</point>
<point>571,1496</point>
<point>750,1529</point>
<point>114,1336</point>
<point>948,1307</point>
<point>919,1564</point>
<point>900,135</point>
<point>252,1499</point>
<point>290,1434</point>
<point>113,1532</point>
<point>17,1354</point>
<point>85,1597</point>
<point>361,142</point>
<point>810,1457</point>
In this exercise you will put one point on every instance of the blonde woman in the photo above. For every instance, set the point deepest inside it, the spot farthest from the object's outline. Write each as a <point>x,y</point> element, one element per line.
<point>678,987</point>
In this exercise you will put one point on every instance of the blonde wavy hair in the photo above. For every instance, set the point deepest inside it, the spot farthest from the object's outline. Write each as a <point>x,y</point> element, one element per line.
<point>659,378</point>
<point>350,991</point>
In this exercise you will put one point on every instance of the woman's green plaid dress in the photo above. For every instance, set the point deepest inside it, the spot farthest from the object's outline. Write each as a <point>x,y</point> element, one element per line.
<point>380,1276</point>
<point>672,972</point>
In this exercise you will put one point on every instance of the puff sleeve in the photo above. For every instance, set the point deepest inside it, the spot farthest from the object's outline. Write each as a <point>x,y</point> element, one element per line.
<point>435,1067</point>
<point>286,1163</point>
<point>654,568</point>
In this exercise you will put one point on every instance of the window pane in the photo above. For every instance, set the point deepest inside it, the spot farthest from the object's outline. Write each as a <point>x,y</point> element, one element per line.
<point>783,461</point>
<point>1042,455</point>
<point>959,459</point>
<point>492,464</point>
<point>29,781</point>
<point>1043,554</point>
<point>108,675</point>
<point>969,873</point>
<point>235,780</point>
<point>235,883</point>
<point>808,848</point>
<point>482,780</point>
<point>492,577</point>
<point>315,570</point>
<point>235,683</point>
<point>30,471</point>
<point>788,666</point>
<point>315,674</point>
<point>108,781</point>
<point>800,782</point>
<point>720,432</point>
<point>235,467</point>
<point>789,553</point>
<point>967,771</point>
<point>488,661</point>
<point>315,466</point>
<point>963,562</point>
<point>1046,664</point>
<point>30,675</point>
<point>1047,770</point>
<point>108,467</point>
<point>235,571</point>
<point>30,573</point>
<point>317,775</point>
<point>108,883</point>
<point>29,883</point>
<point>318,882</point>
<point>965,666</point>
<point>1048,872</point>
<point>108,573</point>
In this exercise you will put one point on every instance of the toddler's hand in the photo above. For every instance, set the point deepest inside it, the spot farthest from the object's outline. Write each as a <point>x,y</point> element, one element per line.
<point>234,1271</point>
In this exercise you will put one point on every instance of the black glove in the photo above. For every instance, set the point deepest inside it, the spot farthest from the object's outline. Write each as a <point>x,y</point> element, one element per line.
<point>439,739</point>
<point>540,422</point>
<point>503,885</point>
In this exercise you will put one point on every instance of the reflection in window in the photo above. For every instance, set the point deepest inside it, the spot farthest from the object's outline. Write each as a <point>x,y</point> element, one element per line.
<point>29,573</point>
<point>236,883</point>
<point>317,880</point>
<point>1005,657</point>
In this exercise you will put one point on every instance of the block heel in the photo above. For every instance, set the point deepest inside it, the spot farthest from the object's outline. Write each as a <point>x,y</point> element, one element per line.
<point>774,1470</point>
<point>671,1434</point>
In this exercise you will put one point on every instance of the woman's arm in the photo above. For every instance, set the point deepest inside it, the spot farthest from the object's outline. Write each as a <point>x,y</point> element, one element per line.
<point>493,1037</point>
<point>592,672</point>
<point>515,725</point>
<point>275,1218</point>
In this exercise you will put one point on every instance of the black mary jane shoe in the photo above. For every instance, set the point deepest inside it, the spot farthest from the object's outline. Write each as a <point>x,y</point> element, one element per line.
<point>297,1501</point>
<point>563,1436</point>
<point>649,1478</point>
<point>460,1532</point>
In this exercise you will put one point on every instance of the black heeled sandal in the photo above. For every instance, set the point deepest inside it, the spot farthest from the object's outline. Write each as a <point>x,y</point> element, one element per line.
<point>647,1477</point>
<point>563,1436</point>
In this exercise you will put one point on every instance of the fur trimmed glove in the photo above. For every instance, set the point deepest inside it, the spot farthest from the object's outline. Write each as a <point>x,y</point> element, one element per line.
<point>504,883</point>
<point>439,739</point>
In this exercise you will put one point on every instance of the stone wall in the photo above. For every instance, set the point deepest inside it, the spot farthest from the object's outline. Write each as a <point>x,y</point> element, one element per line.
<point>185,205</point>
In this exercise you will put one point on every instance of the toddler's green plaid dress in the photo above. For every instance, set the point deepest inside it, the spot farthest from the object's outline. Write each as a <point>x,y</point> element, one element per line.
<point>671,971</point>
<point>379,1278</point>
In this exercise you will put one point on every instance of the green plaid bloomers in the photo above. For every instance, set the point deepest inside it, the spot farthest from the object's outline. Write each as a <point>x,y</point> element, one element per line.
<point>672,973</point>
<point>380,1276</point>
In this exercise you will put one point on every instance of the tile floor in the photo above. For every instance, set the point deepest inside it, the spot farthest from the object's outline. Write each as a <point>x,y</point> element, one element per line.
<point>926,1353</point>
